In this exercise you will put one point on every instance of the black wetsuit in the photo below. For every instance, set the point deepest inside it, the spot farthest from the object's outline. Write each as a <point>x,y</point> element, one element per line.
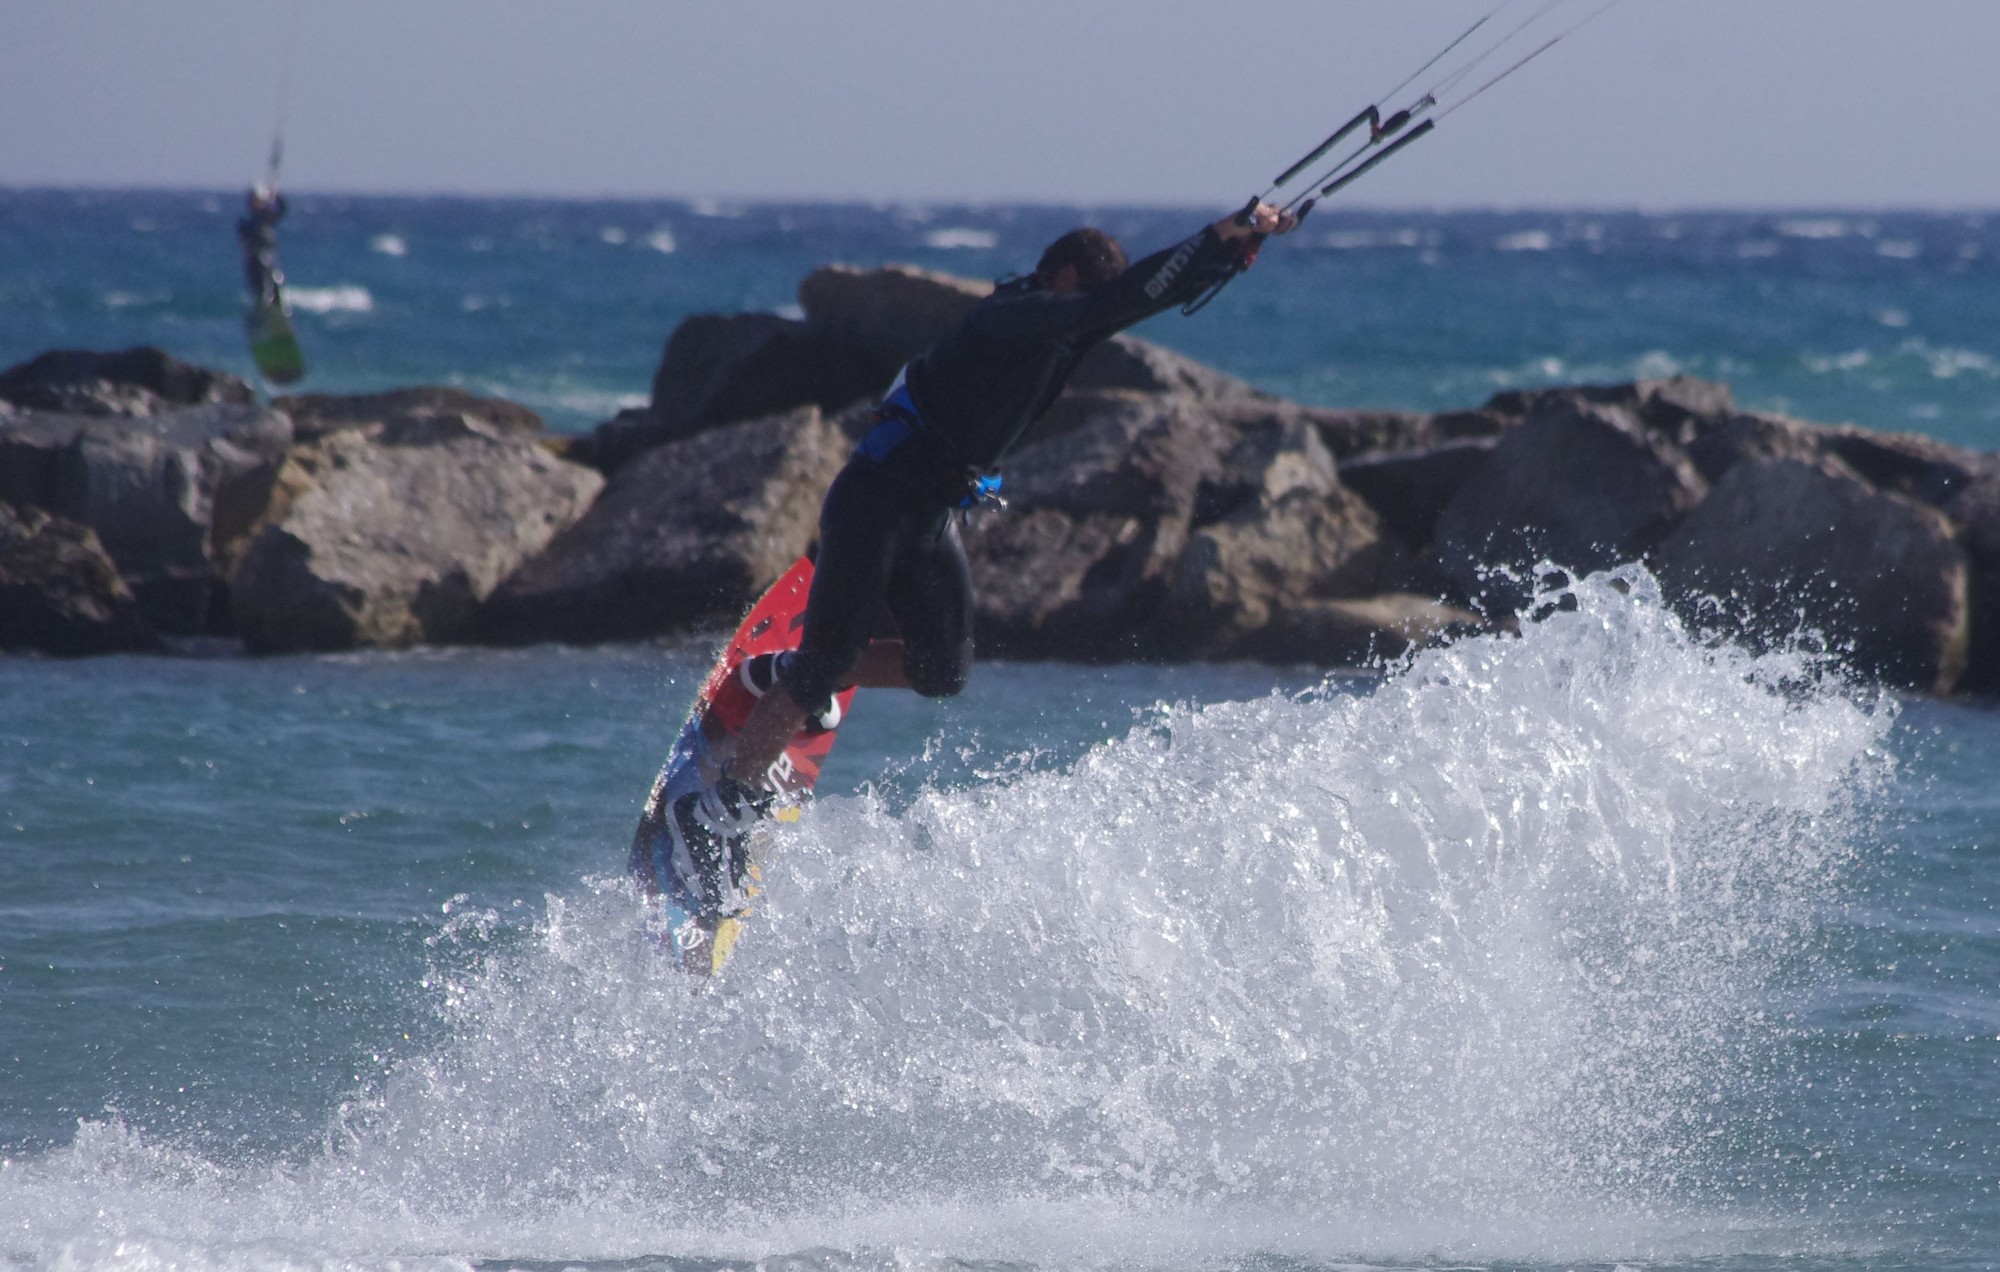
<point>257,232</point>
<point>887,534</point>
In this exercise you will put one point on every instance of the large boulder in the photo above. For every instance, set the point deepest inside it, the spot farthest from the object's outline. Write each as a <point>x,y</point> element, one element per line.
<point>1082,558</point>
<point>887,315</point>
<point>720,369</point>
<point>1789,548</point>
<point>1347,434</point>
<point>393,534</point>
<point>314,415</point>
<point>684,537</point>
<point>1723,443</point>
<point>1578,484</point>
<point>1975,511</point>
<point>1923,468</point>
<point>1677,407</point>
<point>60,592</point>
<point>1409,489</point>
<point>137,381</point>
<point>1299,536</point>
<point>168,494</point>
<point>1129,364</point>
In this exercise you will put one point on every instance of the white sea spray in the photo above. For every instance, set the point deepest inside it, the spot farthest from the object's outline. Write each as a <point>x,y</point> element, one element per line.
<point>1464,964</point>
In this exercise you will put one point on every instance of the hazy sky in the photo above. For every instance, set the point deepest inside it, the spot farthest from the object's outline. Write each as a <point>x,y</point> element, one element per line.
<point>1659,103</point>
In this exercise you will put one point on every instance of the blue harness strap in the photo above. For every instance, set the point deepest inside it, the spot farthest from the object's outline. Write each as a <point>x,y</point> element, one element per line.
<point>896,422</point>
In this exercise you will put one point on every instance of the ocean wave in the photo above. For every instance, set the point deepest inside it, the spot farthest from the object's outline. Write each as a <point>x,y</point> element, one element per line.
<point>389,245</point>
<point>1361,240</point>
<point>137,300</point>
<point>1463,967</point>
<point>662,240</point>
<point>1815,228</point>
<point>346,298</point>
<point>960,237</point>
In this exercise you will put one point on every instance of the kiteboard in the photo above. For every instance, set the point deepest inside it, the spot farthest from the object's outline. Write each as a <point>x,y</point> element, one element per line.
<point>273,346</point>
<point>701,935</point>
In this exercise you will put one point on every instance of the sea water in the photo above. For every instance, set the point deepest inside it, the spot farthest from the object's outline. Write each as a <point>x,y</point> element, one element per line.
<point>1599,945</point>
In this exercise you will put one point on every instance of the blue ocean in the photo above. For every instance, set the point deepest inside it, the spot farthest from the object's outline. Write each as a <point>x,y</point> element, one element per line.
<point>1599,947</point>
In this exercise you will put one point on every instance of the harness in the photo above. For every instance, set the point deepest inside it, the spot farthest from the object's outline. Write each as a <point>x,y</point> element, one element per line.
<point>897,421</point>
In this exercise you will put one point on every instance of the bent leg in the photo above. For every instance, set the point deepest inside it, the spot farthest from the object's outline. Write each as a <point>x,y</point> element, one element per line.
<point>930,597</point>
<point>857,552</point>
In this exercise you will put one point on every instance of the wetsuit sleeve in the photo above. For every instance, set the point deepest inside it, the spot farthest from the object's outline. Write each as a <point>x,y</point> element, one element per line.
<point>1158,282</point>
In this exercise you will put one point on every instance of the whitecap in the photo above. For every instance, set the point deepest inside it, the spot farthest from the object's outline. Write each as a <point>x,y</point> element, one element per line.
<point>389,245</point>
<point>1893,318</point>
<point>347,298</point>
<point>1825,364</point>
<point>613,235</point>
<point>130,300</point>
<point>1657,364</point>
<point>962,237</point>
<point>1359,240</point>
<point>1814,228</point>
<point>662,240</point>
<point>1525,241</point>
<point>1899,249</point>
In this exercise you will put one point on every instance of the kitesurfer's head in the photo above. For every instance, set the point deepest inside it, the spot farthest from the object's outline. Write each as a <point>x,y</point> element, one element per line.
<point>1079,259</point>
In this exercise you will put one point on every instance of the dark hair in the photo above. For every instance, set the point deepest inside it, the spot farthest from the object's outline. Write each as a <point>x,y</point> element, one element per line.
<point>1096,255</point>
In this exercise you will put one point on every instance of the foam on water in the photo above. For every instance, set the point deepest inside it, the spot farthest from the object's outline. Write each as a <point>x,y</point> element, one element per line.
<point>1471,965</point>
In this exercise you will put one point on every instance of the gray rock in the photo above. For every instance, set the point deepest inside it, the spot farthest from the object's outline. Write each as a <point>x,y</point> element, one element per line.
<point>314,415</point>
<point>1129,364</point>
<point>60,592</point>
<point>392,535</point>
<point>1237,580</point>
<point>1348,434</point>
<point>1676,407</point>
<point>1923,468</point>
<point>1080,561</point>
<point>1724,443</point>
<point>163,492</point>
<point>1580,485</point>
<point>1976,514</point>
<point>722,369</point>
<point>1064,585</point>
<point>129,382</point>
<point>1366,631</point>
<point>684,537</point>
<point>1409,489</point>
<point>1782,546</point>
<point>887,315</point>
<point>1134,455</point>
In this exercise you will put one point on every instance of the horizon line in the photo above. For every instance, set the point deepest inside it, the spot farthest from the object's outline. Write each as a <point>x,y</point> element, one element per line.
<point>884,203</point>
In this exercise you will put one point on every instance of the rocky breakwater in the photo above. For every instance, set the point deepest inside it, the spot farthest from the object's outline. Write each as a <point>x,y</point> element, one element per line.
<point>1161,510</point>
<point>144,502</point>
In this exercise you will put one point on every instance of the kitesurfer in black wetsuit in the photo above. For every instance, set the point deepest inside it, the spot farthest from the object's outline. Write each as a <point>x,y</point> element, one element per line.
<point>257,232</point>
<point>888,536</point>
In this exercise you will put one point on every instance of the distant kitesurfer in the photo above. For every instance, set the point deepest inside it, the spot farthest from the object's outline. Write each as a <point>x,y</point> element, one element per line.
<point>257,232</point>
<point>888,537</point>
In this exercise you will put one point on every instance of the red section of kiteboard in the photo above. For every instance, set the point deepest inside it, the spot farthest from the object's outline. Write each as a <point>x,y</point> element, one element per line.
<point>773,625</point>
